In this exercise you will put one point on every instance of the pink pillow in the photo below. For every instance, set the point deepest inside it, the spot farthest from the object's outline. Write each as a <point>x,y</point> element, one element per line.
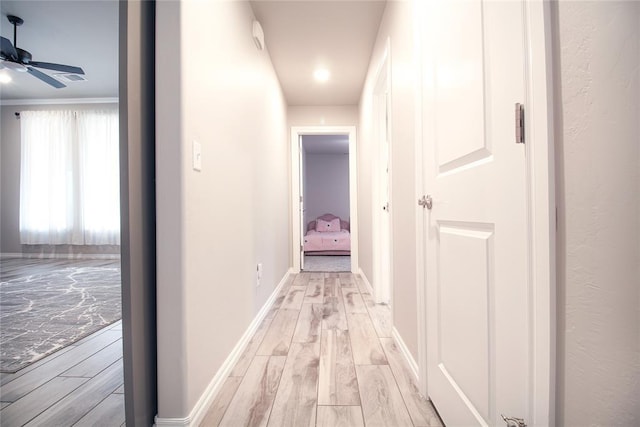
<point>333,225</point>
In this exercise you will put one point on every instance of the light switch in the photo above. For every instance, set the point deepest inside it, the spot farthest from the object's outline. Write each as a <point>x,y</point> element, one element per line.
<point>197,156</point>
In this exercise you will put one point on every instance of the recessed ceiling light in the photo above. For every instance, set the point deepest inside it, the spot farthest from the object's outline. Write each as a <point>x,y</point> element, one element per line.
<point>321,75</point>
<point>5,78</point>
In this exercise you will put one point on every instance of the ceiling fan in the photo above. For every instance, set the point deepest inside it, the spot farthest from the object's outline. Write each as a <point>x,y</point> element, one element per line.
<point>14,58</point>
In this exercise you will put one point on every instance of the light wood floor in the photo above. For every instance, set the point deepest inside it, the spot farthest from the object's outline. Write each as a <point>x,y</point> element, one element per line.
<point>80,385</point>
<point>324,356</point>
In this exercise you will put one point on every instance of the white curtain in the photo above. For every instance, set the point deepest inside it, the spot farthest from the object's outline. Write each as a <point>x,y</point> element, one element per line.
<point>69,178</point>
<point>99,177</point>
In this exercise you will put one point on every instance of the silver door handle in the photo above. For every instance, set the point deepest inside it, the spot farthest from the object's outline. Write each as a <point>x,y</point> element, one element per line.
<point>426,202</point>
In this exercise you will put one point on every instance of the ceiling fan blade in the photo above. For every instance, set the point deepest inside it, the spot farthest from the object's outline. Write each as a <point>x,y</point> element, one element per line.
<point>7,50</point>
<point>57,67</point>
<point>45,78</point>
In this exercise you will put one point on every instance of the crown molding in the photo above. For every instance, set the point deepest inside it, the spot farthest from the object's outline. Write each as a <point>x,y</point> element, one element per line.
<point>62,101</point>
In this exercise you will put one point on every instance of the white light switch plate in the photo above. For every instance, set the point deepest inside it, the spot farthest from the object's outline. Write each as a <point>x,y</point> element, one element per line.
<point>197,156</point>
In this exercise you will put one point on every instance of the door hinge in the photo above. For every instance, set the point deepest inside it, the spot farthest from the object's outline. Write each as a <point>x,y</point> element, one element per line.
<point>301,248</point>
<point>519,123</point>
<point>300,199</point>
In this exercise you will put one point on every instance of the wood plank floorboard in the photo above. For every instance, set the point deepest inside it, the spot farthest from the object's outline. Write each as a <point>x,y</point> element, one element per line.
<point>97,363</point>
<point>362,287</point>
<point>365,343</point>
<point>309,324</point>
<point>278,337</point>
<point>219,406</point>
<point>347,280</point>
<point>353,302</point>
<point>33,404</point>
<point>322,364</point>
<point>380,315</point>
<point>420,409</point>
<point>339,416</point>
<point>252,402</point>
<point>382,403</point>
<point>35,378</point>
<point>337,384</point>
<point>82,400</point>
<point>293,299</point>
<point>243,363</point>
<point>296,398</point>
<point>315,291</point>
<point>108,413</point>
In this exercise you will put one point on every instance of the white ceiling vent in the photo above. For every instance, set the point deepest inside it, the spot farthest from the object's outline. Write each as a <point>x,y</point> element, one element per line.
<point>70,77</point>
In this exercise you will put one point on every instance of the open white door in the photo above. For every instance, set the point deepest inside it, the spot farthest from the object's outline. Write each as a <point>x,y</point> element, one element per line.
<point>382,198</point>
<point>480,329</point>
<point>301,184</point>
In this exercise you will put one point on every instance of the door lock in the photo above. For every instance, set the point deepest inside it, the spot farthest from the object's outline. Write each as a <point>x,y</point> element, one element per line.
<point>426,202</point>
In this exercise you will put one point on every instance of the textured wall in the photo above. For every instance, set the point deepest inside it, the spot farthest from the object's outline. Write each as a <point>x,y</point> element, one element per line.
<point>598,161</point>
<point>327,185</point>
<point>216,224</point>
<point>396,26</point>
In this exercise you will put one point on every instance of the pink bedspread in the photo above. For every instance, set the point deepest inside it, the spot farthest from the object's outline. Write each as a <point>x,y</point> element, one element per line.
<point>327,241</point>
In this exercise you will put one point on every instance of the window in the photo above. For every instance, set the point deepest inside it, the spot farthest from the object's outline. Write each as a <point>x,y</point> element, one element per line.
<point>69,178</point>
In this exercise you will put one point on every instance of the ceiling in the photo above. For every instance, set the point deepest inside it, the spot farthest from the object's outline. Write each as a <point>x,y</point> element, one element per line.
<point>326,144</point>
<point>303,35</point>
<point>83,33</point>
<point>300,35</point>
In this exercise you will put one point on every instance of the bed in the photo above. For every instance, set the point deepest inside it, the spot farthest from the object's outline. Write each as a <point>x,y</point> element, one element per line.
<point>327,235</point>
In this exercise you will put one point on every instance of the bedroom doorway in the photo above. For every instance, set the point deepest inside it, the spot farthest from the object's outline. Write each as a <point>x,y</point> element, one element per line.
<point>324,225</point>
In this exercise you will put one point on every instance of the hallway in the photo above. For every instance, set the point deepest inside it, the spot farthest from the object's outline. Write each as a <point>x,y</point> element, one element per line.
<point>323,356</point>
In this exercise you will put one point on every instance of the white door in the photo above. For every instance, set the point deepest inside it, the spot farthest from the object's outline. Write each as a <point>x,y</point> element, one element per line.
<point>385,178</point>
<point>382,200</point>
<point>478,325</point>
<point>301,170</point>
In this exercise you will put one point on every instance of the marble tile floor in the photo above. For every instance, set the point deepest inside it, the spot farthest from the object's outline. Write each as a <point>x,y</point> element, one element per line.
<point>80,385</point>
<point>323,356</point>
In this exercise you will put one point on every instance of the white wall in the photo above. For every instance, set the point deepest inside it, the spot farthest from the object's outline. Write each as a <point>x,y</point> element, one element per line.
<point>214,226</point>
<point>327,185</point>
<point>396,25</point>
<point>10,184</point>
<point>598,187</point>
<point>334,115</point>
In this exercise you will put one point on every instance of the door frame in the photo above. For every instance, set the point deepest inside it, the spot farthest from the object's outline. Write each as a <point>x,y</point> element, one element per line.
<point>539,135</point>
<point>296,133</point>
<point>382,241</point>
<point>137,209</point>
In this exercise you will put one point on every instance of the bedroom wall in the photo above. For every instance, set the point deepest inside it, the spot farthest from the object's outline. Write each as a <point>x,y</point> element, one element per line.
<point>597,60</point>
<point>327,182</point>
<point>397,26</point>
<point>10,186</point>
<point>215,225</point>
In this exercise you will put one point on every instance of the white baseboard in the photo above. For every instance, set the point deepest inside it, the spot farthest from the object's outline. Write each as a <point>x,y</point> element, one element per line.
<point>206,399</point>
<point>365,280</point>
<point>34,255</point>
<point>411,362</point>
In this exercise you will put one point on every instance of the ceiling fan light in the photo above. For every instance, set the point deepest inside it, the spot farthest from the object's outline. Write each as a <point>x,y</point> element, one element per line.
<point>5,78</point>
<point>15,66</point>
